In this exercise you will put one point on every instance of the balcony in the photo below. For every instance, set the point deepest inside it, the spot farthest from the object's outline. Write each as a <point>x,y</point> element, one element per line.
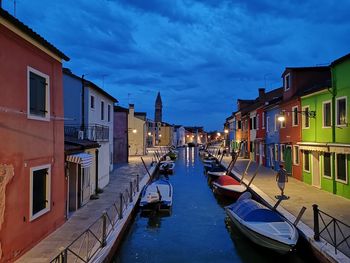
<point>90,132</point>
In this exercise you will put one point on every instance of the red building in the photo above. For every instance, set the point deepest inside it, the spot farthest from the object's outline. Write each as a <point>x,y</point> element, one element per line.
<point>32,182</point>
<point>295,82</point>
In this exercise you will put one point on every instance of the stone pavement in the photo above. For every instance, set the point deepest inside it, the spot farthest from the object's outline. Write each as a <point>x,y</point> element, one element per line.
<point>120,177</point>
<point>300,194</point>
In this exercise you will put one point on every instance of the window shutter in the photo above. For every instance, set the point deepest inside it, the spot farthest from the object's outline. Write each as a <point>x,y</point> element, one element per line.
<point>37,95</point>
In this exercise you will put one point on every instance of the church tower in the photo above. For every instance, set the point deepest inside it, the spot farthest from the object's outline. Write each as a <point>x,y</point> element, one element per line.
<point>158,109</point>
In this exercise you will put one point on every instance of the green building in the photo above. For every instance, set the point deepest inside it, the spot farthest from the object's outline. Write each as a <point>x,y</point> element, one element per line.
<point>326,136</point>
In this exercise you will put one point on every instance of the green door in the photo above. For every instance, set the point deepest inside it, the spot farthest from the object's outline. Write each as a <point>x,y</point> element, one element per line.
<point>288,159</point>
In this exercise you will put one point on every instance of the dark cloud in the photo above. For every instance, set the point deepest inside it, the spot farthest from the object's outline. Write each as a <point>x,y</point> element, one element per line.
<point>201,55</point>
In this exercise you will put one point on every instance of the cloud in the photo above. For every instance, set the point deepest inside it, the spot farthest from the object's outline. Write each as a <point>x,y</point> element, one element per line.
<point>200,54</point>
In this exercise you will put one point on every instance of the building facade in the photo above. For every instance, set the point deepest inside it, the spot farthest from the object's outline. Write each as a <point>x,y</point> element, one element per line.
<point>120,135</point>
<point>32,182</point>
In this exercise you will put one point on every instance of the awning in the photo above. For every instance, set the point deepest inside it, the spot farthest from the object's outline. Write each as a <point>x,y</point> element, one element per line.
<point>84,159</point>
<point>339,148</point>
<point>317,147</point>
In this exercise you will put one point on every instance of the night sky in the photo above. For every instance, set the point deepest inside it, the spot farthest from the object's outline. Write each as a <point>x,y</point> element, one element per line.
<point>201,55</point>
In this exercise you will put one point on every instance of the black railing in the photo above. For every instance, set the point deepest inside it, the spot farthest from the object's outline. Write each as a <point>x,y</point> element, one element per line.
<point>332,230</point>
<point>93,239</point>
<point>94,132</point>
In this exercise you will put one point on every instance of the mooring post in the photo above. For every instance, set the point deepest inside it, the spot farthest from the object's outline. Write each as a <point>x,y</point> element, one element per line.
<point>302,210</point>
<point>104,229</point>
<point>138,183</point>
<point>130,196</point>
<point>316,223</point>
<point>121,206</point>
<point>65,256</point>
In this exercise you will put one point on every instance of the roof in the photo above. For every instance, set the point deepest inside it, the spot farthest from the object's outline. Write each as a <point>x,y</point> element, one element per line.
<point>340,60</point>
<point>28,31</point>
<point>319,68</point>
<point>194,129</point>
<point>89,83</point>
<point>72,144</point>
<point>120,109</point>
<point>314,88</point>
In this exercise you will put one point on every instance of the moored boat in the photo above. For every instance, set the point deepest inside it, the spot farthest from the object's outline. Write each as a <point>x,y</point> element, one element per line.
<point>229,187</point>
<point>262,225</point>
<point>157,195</point>
<point>167,168</point>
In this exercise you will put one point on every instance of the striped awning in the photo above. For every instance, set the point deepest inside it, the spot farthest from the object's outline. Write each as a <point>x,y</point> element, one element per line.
<point>317,147</point>
<point>84,159</point>
<point>339,148</point>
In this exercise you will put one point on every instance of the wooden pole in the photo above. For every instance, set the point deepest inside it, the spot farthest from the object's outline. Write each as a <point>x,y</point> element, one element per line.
<point>145,167</point>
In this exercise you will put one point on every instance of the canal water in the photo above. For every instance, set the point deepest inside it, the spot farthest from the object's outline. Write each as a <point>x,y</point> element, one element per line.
<point>197,230</point>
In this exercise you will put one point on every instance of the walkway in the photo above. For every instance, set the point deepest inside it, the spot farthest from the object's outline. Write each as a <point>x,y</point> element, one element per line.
<point>301,194</point>
<point>50,247</point>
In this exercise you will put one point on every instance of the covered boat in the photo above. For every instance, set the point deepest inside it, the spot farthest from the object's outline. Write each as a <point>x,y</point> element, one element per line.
<point>229,187</point>
<point>262,225</point>
<point>157,195</point>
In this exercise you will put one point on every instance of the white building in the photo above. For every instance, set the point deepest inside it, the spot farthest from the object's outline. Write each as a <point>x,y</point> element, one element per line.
<point>179,138</point>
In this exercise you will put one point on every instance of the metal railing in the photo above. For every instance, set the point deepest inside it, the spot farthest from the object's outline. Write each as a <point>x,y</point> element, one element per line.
<point>93,239</point>
<point>332,230</point>
<point>94,132</point>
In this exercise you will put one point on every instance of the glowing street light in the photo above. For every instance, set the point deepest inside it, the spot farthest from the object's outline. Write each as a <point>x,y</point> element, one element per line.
<point>226,131</point>
<point>134,131</point>
<point>149,134</point>
<point>218,134</point>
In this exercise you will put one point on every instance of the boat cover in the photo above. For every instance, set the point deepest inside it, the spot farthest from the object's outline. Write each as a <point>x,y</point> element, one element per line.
<point>226,180</point>
<point>252,211</point>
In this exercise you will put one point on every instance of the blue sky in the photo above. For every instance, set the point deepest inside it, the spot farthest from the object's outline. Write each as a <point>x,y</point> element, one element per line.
<point>201,55</point>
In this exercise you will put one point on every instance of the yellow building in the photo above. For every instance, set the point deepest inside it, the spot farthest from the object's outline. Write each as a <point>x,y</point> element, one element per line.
<point>165,134</point>
<point>136,131</point>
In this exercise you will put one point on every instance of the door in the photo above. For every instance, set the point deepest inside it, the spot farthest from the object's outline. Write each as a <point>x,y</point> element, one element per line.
<point>85,186</point>
<point>73,187</point>
<point>316,178</point>
<point>288,159</point>
<point>261,153</point>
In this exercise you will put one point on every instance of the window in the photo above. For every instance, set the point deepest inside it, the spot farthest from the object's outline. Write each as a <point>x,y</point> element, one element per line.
<point>109,113</point>
<point>239,125</point>
<point>92,102</point>
<point>296,155</point>
<point>306,161</point>
<point>341,111</point>
<point>295,120</point>
<point>342,173</point>
<point>276,122</point>
<point>306,118</point>
<point>283,148</point>
<point>287,82</point>
<point>276,152</point>
<point>327,114</point>
<point>263,120</point>
<point>267,123</point>
<point>38,95</point>
<point>39,190</point>
<point>257,121</point>
<point>102,110</point>
<point>283,123</point>
<point>250,123</point>
<point>254,123</point>
<point>327,168</point>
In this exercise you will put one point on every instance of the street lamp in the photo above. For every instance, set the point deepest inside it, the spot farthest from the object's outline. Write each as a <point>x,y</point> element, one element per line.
<point>226,131</point>
<point>134,131</point>
<point>309,114</point>
<point>149,134</point>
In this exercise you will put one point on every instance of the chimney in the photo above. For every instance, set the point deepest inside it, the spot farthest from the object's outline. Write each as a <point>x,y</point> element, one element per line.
<point>261,94</point>
<point>131,109</point>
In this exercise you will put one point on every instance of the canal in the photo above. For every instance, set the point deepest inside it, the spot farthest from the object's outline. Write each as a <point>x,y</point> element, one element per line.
<point>197,229</point>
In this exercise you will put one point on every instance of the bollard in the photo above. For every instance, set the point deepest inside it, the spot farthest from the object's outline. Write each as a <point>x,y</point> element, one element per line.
<point>121,206</point>
<point>316,223</point>
<point>104,229</point>
<point>130,195</point>
<point>138,183</point>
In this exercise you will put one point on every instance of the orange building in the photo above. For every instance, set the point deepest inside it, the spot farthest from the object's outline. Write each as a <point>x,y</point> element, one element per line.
<point>32,182</point>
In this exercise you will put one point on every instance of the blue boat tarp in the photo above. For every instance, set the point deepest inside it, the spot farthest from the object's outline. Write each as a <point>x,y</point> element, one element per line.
<point>252,211</point>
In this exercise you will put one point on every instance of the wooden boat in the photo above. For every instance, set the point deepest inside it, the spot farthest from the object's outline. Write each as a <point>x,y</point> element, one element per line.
<point>157,195</point>
<point>262,225</point>
<point>167,168</point>
<point>229,187</point>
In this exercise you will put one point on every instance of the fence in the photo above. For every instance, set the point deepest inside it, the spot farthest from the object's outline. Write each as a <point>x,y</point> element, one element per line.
<point>332,230</point>
<point>92,240</point>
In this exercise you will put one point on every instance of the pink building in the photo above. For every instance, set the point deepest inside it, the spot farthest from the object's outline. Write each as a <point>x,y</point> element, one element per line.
<point>32,182</point>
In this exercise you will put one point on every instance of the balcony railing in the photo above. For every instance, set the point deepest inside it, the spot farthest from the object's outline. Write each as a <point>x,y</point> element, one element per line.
<point>90,132</point>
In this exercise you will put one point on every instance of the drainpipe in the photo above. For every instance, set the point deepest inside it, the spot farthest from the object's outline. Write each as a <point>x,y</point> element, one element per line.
<point>96,173</point>
<point>82,103</point>
<point>334,93</point>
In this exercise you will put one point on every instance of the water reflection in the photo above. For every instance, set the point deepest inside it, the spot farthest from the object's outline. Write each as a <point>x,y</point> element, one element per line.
<point>155,218</point>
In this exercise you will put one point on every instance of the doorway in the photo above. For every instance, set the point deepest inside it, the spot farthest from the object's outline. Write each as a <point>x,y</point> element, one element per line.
<point>316,179</point>
<point>288,159</point>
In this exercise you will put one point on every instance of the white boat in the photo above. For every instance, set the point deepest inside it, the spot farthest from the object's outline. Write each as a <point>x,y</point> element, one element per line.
<point>167,168</point>
<point>157,195</point>
<point>262,225</point>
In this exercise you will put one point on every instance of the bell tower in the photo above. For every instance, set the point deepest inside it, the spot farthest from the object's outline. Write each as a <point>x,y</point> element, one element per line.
<point>158,109</point>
